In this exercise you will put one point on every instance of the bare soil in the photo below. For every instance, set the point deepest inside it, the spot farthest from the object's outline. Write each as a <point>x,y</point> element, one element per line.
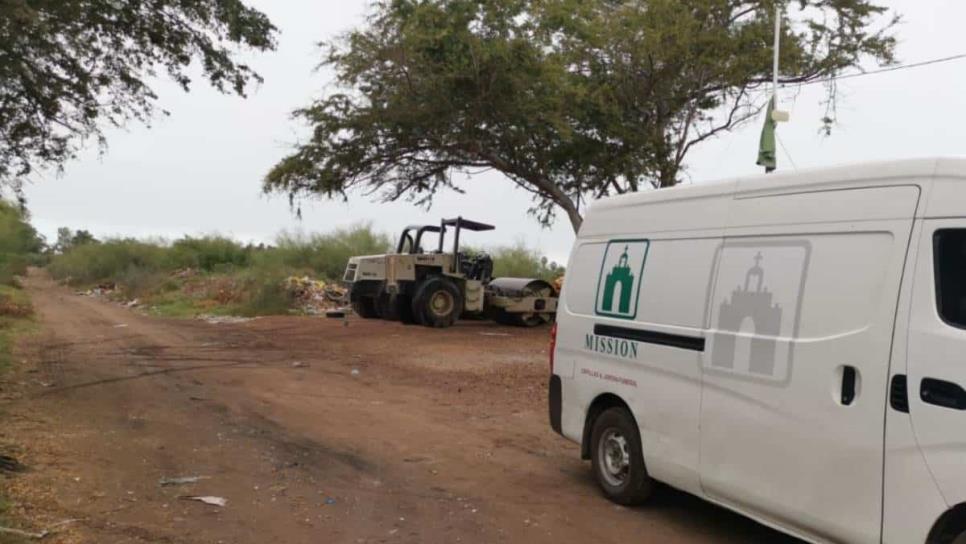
<point>313,431</point>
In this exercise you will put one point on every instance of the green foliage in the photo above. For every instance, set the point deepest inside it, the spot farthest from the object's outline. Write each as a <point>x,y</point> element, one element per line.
<point>325,255</point>
<point>248,280</point>
<point>108,261</point>
<point>209,253</point>
<point>570,99</point>
<point>20,245</point>
<point>265,293</point>
<point>67,239</point>
<point>519,261</point>
<point>69,67</point>
<point>15,313</point>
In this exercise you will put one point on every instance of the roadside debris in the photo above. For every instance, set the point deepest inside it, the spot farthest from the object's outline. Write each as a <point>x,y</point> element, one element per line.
<point>314,296</point>
<point>36,536</point>
<point>224,319</point>
<point>10,464</point>
<point>355,372</point>
<point>166,482</point>
<point>101,290</point>
<point>214,501</point>
<point>299,364</point>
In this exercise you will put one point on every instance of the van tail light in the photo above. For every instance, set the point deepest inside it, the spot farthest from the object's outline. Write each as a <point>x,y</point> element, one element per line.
<point>553,344</point>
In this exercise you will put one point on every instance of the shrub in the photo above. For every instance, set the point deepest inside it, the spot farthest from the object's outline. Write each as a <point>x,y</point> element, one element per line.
<point>209,253</point>
<point>325,255</point>
<point>107,261</point>
<point>14,303</point>
<point>20,245</point>
<point>518,261</point>
<point>266,295</point>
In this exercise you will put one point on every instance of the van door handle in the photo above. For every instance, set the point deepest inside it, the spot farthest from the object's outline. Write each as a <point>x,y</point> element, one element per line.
<point>942,393</point>
<point>848,385</point>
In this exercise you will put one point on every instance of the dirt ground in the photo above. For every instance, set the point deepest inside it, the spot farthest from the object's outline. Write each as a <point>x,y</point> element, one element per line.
<point>312,431</point>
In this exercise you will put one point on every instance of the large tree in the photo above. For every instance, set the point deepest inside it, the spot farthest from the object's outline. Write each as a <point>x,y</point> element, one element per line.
<point>569,99</point>
<point>70,67</point>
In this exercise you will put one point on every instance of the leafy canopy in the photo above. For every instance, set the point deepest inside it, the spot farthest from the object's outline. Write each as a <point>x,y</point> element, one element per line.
<point>569,99</point>
<point>68,67</point>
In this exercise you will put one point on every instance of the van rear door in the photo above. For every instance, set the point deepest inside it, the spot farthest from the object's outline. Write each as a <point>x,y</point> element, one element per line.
<point>795,375</point>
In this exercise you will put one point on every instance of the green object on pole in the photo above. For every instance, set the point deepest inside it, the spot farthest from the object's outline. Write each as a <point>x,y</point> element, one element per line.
<point>767,156</point>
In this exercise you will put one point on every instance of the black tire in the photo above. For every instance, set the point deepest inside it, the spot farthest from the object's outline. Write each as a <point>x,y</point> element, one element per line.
<point>615,451</point>
<point>365,308</point>
<point>404,309</point>
<point>517,320</point>
<point>438,302</point>
<point>385,305</point>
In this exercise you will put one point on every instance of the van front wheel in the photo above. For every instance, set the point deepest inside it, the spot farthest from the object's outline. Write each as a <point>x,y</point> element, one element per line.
<point>617,458</point>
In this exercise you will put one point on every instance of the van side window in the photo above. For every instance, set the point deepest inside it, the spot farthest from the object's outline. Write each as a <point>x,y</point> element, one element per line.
<point>950,253</point>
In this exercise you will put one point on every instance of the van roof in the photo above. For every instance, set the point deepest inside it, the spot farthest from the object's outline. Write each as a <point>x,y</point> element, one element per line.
<point>807,179</point>
<point>705,203</point>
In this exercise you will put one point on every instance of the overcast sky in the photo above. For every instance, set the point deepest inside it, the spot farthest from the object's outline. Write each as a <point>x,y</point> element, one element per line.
<point>199,170</point>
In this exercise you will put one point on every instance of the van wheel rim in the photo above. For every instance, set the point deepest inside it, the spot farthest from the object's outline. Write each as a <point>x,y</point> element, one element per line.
<point>441,303</point>
<point>614,458</point>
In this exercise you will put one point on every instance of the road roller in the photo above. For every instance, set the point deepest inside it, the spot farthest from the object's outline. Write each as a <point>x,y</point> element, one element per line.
<point>437,285</point>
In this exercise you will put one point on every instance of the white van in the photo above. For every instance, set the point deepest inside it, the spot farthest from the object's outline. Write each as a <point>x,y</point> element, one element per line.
<point>790,346</point>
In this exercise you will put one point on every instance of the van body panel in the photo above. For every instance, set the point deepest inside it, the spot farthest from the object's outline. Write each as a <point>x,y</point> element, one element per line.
<point>755,352</point>
<point>946,198</point>
<point>937,352</point>
<point>912,501</point>
<point>666,403</point>
<point>692,209</point>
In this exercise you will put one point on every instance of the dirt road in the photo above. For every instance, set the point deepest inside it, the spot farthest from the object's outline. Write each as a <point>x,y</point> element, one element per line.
<point>312,431</point>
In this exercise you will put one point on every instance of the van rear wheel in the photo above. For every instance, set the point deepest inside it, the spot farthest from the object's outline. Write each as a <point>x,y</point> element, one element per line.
<point>618,460</point>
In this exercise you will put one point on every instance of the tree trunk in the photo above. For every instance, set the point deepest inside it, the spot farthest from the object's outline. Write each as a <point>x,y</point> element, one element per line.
<point>575,218</point>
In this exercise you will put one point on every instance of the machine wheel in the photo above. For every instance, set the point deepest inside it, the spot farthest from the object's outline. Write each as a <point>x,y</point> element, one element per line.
<point>404,309</point>
<point>519,320</point>
<point>438,302</point>
<point>365,307</point>
<point>615,450</point>
<point>385,305</point>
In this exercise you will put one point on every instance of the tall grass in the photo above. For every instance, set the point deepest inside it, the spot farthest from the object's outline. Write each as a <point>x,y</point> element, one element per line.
<point>326,255</point>
<point>109,261</point>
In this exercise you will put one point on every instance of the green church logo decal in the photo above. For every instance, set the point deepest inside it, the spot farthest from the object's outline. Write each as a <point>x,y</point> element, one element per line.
<point>621,277</point>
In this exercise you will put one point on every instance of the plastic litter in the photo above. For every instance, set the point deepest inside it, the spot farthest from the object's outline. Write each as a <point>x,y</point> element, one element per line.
<point>214,501</point>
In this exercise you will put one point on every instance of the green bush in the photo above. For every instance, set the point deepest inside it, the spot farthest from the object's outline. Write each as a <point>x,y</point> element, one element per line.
<point>324,255</point>
<point>20,245</point>
<point>108,261</point>
<point>518,261</point>
<point>209,253</point>
<point>266,295</point>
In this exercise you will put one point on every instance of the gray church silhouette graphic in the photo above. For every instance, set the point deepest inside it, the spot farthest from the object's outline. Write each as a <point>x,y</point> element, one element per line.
<point>765,316</point>
<point>621,276</point>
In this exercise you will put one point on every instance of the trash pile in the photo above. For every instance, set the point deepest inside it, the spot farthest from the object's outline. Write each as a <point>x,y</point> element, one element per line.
<point>100,290</point>
<point>314,296</point>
